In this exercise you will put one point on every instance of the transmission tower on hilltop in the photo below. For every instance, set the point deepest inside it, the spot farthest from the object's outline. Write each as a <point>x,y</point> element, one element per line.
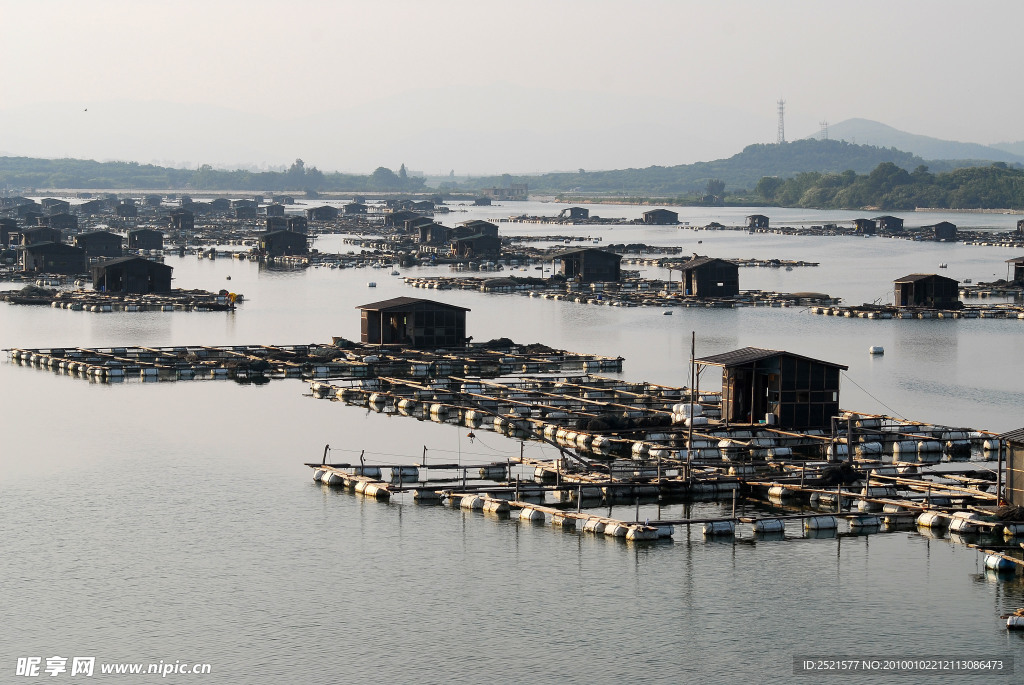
<point>824,129</point>
<point>782,122</point>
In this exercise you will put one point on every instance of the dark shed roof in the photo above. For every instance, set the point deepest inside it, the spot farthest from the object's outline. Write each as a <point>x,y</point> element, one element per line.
<point>1013,436</point>
<point>747,355</point>
<point>403,302</point>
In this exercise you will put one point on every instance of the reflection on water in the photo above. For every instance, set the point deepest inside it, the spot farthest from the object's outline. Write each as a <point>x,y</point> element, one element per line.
<point>175,521</point>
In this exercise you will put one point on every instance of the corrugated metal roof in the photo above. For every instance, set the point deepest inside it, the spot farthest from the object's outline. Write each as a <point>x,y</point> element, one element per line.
<point>913,278</point>
<point>569,253</point>
<point>132,258</point>
<point>1016,436</point>
<point>1015,260</point>
<point>701,261</point>
<point>749,355</point>
<point>400,302</point>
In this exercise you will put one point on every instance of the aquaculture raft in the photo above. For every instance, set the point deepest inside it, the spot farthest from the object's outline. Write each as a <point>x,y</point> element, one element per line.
<point>341,360</point>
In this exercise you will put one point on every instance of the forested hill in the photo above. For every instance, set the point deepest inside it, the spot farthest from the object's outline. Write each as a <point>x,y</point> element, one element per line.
<point>889,187</point>
<point>740,172</point>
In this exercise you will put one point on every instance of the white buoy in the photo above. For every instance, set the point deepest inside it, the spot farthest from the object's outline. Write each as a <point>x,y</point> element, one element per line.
<point>876,349</point>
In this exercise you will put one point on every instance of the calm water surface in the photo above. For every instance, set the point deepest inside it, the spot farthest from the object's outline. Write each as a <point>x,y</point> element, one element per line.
<point>176,522</point>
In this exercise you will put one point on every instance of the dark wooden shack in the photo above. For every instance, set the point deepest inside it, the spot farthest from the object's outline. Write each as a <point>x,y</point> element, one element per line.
<point>54,206</point>
<point>588,265</point>
<point>219,204</point>
<point>322,213</point>
<point>943,231</point>
<point>89,208</point>
<point>413,322</point>
<point>145,239</point>
<point>8,227</point>
<point>889,224</point>
<point>126,210</point>
<point>660,217</point>
<point>1016,270</point>
<point>274,210</point>
<point>574,213</point>
<point>478,246</point>
<point>152,200</point>
<point>63,221</point>
<point>40,234</point>
<point>275,223</point>
<point>710,277</point>
<point>353,208</point>
<point>399,217</point>
<point>246,211</point>
<point>865,226</point>
<point>298,224</point>
<point>412,226</point>
<point>280,243</point>
<point>434,234</point>
<point>99,244</point>
<point>131,275</point>
<point>1014,455</point>
<point>54,258</point>
<point>476,227</point>
<point>775,387</point>
<point>927,290</point>
<point>757,221</point>
<point>183,220</point>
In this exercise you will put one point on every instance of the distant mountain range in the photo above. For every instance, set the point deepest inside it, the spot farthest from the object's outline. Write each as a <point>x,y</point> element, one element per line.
<point>867,132</point>
<point>740,172</point>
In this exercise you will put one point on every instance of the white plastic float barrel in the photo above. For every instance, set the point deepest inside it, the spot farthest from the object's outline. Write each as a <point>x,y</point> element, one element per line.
<point>932,519</point>
<point>820,523</point>
<point>838,449</point>
<point>876,349</point>
<point>963,522</point>
<point>615,529</point>
<point>998,563</point>
<point>331,478</point>
<point>404,474</point>
<point>869,448</point>
<point>368,471</point>
<point>769,526</point>
<point>493,472</point>
<point>531,514</point>
<point>719,528</point>
<point>593,525</point>
<point>563,521</point>
<point>1015,622</point>
<point>642,533</point>
<point>318,474</point>
<point>407,407</point>
<point>780,492</point>
<point>991,445</point>
<point>471,502</point>
<point>865,522</point>
<point>496,506</point>
<point>904,448</point>
<point>866,506</point>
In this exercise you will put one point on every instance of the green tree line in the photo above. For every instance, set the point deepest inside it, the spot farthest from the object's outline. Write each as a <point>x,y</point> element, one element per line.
<point>890,187</point>
<point>28,172</point>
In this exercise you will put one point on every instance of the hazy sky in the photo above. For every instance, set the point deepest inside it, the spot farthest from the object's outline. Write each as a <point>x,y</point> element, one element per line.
<point>482,86</point>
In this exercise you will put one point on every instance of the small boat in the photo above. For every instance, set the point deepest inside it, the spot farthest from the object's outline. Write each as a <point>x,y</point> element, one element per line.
<point>395,273</point>
<point>942,265</point>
